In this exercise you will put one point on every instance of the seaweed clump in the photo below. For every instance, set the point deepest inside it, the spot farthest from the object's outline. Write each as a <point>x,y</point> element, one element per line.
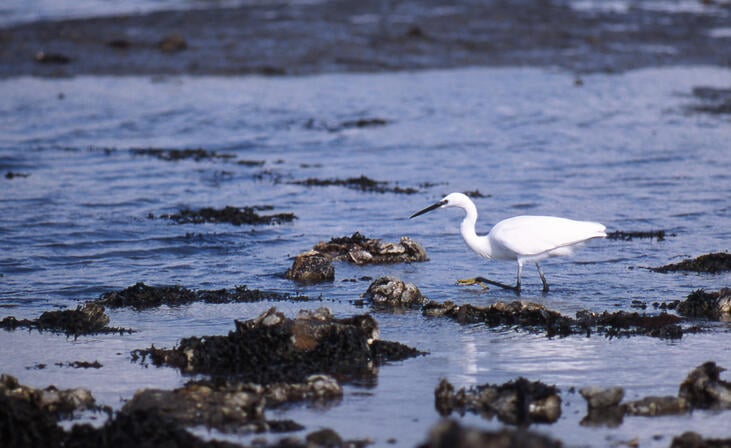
<point>233,215</point>
<point>361,183</point>
<point>141,296</point>
<point>86,319</point>
<point>708,263</point>
<point>536,317</point>
<point>360,249</point>
<point>712,305</point>
<point>172,155</point>
<point>274,348</point>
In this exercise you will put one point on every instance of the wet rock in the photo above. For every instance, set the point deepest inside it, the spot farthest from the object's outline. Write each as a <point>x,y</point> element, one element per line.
<point>232,215</point>
<point>518,402</point>
<point>659,235</point>
<point>196,154</point>
<point>704,389</point>
<point>311,267</point>
<point>711,305</point>
<point>14,175</point>
<point>450,434</point>
<point>359,249</point>
<point>364,123</point>
<point>51,58</point>
<point>709,263</point>
<point>119,44</point>
<point>602,397</point>
<point>694,440</point>
<point>172,43</point>
<point>141,296</point>
<point>54,402</point>
<point>85,319</point>
<point>273,348</point>
<point>361,183</point>
<point>392,293</point>
<point>657,406</point>
<point>713,100</point>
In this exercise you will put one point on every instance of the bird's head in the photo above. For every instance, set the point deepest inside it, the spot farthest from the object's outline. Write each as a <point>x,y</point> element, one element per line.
<point>451,200</point>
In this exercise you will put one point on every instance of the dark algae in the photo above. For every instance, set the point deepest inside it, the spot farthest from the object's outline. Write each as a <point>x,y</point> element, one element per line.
<point>709,263</point>
<point>84,320</point>
<point>172,155</point>
<point>361,183</point>
<point>141,296</point>
<point>714,305</point>
<point>274,348</point>
<point>535,317</point>
<point>233,215</point>
<point>630,235</point>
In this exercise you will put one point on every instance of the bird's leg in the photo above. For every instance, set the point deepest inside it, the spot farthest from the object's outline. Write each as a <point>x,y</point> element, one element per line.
<point>482,281</point>
<point>543,278</point>
<point>473,281</point>
<point>520,271</point>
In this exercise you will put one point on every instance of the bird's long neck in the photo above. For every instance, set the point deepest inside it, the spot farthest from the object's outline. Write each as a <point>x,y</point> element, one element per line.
<point>467,229</point>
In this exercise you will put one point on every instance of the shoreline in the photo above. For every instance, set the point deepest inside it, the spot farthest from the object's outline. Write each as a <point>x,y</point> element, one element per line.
<point>277,40</point>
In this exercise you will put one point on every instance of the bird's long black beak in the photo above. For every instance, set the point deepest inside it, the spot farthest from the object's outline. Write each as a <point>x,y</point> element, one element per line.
<point>428,209</point>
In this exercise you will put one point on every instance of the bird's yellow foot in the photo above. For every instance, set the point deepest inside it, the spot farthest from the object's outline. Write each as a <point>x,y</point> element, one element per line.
<point>471,281</point>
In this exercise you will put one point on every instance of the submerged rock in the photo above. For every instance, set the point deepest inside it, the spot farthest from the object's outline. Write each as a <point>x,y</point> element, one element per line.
<point>311,267</point>
<point>233,215</point>
<point>85,319</point>
<point>391,293</point>
<point>711,305</point>
<point>141,296</point>
<point>449,433</point>
<point>709,263</point>
<point>273,348</point>
<point>518,402</point>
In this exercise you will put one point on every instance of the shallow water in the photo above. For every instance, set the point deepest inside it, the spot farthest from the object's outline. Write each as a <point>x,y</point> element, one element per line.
<point>624,150</point>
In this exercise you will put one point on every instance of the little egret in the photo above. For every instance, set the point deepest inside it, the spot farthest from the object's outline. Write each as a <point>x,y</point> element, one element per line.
<point>521,238</point>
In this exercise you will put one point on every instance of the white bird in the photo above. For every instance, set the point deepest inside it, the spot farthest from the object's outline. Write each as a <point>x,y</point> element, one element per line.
<point>521,238</point>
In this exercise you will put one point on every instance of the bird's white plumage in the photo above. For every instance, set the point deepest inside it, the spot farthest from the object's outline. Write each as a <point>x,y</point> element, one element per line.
<point>541,236</point>
<point>521,238</point>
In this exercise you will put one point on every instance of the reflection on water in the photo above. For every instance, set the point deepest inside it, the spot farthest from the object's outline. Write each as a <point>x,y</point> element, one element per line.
<point>623,150</point>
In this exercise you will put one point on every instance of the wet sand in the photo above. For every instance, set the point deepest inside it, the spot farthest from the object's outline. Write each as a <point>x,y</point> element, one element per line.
<point>348,36</point>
